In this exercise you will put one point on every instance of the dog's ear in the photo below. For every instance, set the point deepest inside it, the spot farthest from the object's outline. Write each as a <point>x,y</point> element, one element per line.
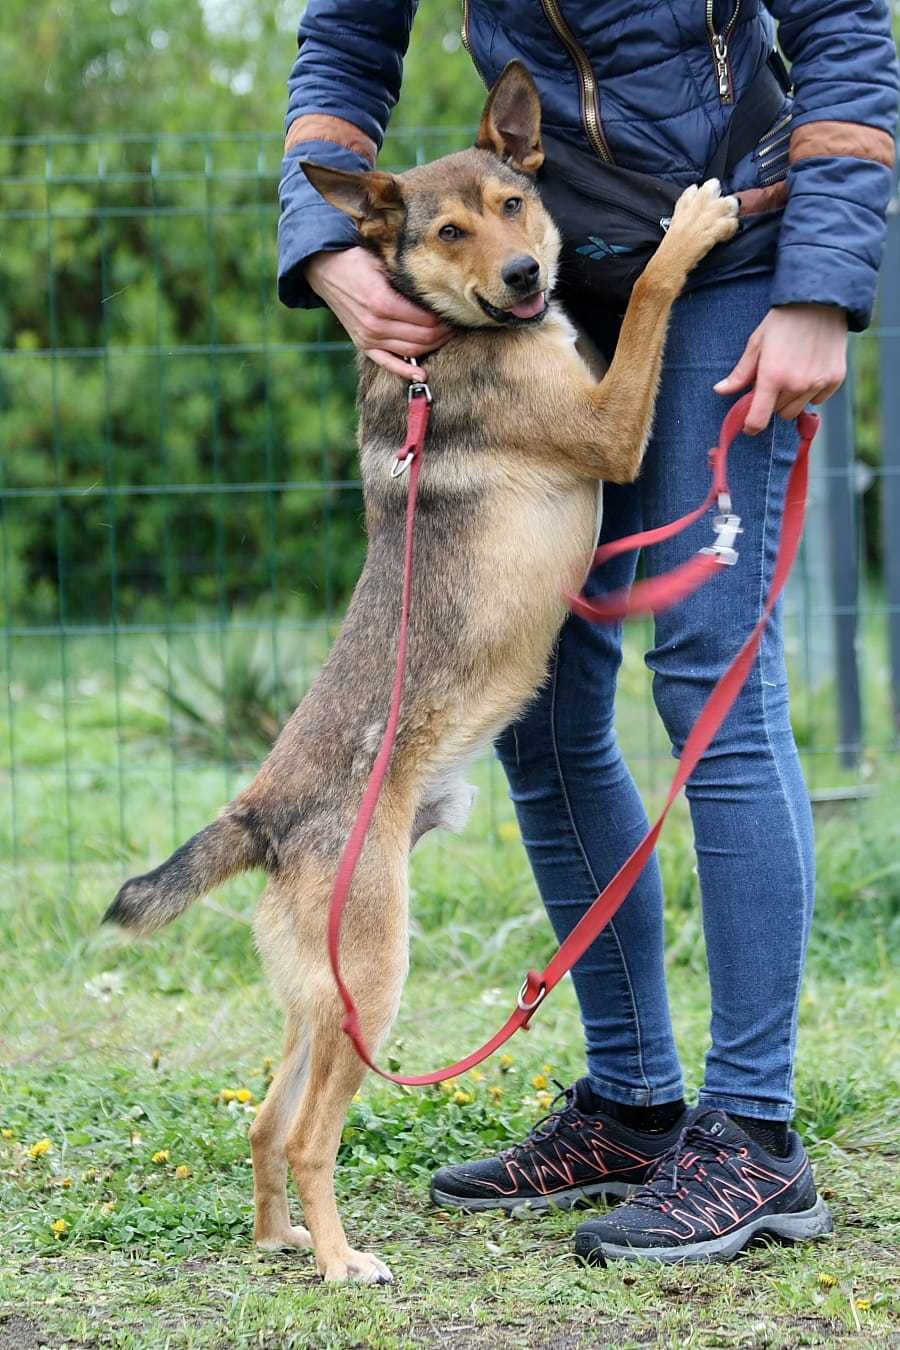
<point>511,121</point>
<point>373,200</point>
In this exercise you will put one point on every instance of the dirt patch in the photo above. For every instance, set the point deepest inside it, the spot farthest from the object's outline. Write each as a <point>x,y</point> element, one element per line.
<point>20,1333</point>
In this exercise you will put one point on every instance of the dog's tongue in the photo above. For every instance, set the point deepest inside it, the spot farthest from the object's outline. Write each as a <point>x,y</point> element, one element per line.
<point>527,309</point>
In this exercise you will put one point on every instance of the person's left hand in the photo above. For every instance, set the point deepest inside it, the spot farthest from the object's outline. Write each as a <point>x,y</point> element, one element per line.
<point>797,355</point>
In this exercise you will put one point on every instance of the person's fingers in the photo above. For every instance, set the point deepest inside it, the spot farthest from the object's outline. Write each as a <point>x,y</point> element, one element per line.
<point>394,364</point>
<point>792,405</point>
<point>386,303</point>
<point>744,372</point>
<point>761,408</point>
<point>376,332</point>
<point>825,393</point>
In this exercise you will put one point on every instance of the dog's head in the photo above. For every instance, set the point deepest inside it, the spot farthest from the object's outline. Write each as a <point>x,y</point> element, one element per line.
<point>467,235</point>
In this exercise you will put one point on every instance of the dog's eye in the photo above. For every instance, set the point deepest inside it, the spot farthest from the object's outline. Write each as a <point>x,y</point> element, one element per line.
<point>512,206</point>
<point>450,232</point>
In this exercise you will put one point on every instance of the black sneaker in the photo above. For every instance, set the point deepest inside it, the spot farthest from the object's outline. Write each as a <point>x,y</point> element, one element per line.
<point>573,1154</point>
<point>709,1195</point>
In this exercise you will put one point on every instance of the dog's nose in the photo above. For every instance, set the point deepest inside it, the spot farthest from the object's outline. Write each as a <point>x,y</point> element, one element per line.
<point>522,273</point>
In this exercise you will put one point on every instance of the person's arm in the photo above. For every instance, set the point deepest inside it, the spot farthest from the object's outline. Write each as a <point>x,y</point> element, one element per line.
<point>344,84</point>
<point>844,69</point>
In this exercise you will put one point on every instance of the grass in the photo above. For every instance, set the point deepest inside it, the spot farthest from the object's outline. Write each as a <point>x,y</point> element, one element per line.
<point>133,1227</point>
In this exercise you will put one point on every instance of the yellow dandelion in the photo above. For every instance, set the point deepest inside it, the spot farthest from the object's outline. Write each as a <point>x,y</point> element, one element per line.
<point>66,1183</point>
<point>540,1081</point>
<point>864,1304</point>
<point>59,1226</point>
<point>108,1206</point>
<point>463,1098</point>
<point>547,1068</point>
<point>7,1134</point>
<point>495,1093</point>
<point>228,1095</point>
<point>508,831</point>
<point>243,1095</point>
<point>182,1171</point>
<point>160,1156</point>
<point>40,1148</point>
<point>506,1062</point>
<point>357,1097</point>
<point>826,1280</point>
<point>476,1076</point>
<point>544,1100</point>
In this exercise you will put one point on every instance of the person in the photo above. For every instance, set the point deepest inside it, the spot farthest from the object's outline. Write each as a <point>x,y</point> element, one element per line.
<point>652,88</point>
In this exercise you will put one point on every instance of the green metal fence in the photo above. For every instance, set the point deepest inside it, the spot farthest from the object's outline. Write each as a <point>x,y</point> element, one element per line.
<point>181,517</point>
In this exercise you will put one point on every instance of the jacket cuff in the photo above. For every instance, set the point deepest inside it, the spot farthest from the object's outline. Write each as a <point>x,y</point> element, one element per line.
<point>308,224</point>
<point>832,236</point>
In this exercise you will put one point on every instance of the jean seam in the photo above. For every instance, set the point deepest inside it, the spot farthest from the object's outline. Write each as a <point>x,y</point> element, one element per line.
<point>590,871</point>
<point>765,717</point>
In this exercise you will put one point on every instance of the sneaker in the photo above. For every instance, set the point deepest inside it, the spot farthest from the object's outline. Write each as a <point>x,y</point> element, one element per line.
<point>574,1153</point>
<point>708,1196</point>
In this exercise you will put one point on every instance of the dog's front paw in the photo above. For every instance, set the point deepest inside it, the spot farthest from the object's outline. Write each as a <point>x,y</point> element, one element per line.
<point>362,1267</point>
<point>702,218</point>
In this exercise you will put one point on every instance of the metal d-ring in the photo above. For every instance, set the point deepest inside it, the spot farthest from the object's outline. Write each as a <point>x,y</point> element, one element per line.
<point>535,1002</point>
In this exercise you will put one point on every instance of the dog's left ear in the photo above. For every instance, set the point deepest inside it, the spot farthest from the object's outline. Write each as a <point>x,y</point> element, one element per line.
<point>373,200</point>
<point>511,121</point>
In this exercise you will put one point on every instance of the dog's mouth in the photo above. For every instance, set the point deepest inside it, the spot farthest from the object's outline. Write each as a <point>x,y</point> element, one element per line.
<point>530,310</point>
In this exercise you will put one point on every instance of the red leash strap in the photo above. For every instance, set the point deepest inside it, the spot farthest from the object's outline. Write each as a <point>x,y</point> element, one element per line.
<point>658,593</point>
<point>538,984</point>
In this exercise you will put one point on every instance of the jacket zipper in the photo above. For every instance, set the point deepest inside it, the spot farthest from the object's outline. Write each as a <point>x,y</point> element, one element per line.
<point>465,28</point>
<point>719,44</point>
<point>590,110</point>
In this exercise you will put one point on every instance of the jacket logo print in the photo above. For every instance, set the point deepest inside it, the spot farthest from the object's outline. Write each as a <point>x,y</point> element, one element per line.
<point>598,249</point>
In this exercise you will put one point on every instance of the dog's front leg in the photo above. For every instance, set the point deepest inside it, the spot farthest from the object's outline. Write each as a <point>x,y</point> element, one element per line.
<point>618,412</point>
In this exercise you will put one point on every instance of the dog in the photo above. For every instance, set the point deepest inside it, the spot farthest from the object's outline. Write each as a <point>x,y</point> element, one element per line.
<point>523,430</point>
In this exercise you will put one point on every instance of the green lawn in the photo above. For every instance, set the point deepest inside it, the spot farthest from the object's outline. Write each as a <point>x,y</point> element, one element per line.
<point>118,1055</point>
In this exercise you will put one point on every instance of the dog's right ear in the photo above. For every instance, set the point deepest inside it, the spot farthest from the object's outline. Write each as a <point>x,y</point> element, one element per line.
<point>373,200</point>
<point>511,121</point>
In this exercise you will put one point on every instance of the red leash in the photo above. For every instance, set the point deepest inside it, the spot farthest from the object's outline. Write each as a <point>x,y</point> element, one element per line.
<point>645,597</point>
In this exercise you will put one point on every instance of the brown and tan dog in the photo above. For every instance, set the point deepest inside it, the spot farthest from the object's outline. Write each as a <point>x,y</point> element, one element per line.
<point>521,434</point>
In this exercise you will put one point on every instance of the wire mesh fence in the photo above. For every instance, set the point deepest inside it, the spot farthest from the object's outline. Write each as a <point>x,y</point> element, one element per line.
<point>181,515</point>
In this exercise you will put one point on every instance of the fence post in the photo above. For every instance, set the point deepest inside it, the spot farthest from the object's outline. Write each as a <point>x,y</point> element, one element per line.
<point>890,434</point>
<point>844,566</point>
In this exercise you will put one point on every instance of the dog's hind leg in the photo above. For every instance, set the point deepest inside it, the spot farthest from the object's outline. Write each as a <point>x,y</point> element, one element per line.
<point>374,961</point>
<point>273,1229</point>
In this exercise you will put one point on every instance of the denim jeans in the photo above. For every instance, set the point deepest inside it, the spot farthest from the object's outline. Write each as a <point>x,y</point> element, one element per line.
<point>579,811</point>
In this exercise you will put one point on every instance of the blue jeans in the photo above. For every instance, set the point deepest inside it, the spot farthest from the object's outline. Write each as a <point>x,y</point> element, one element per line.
<point>579,811</point>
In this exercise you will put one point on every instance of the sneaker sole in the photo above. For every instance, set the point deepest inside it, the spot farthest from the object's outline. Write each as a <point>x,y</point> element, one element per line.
<point>522,1205</point>
<point>801,1227</point>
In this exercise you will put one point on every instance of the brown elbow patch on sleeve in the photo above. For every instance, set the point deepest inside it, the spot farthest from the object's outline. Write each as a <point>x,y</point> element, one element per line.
<point>753,201</point>
<point>851,139</point>
<point>322,127</point>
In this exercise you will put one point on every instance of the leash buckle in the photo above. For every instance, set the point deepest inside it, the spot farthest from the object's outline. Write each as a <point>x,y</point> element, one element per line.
<point>727,527</point>
<point>419,389</point>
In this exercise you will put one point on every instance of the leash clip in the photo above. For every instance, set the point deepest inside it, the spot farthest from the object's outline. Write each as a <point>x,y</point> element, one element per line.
<point>401,463</point>
<point>727,527</point>
<point>419,389</point>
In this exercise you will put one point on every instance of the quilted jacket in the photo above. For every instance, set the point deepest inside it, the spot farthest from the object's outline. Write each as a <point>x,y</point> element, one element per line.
<point>647,85</point>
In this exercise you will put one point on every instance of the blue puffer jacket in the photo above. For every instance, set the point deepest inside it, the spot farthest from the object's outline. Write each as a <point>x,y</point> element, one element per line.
<point>642,84</point>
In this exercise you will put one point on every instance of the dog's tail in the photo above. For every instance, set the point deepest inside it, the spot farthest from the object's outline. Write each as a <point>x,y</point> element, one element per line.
<point>228,846</point>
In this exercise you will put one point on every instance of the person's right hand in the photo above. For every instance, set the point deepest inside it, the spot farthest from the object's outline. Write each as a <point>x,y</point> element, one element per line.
<point>380,321</point>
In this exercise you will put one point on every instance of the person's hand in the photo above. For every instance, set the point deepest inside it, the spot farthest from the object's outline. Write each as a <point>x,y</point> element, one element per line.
<point>381,322</point>
<point>797,355</point>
